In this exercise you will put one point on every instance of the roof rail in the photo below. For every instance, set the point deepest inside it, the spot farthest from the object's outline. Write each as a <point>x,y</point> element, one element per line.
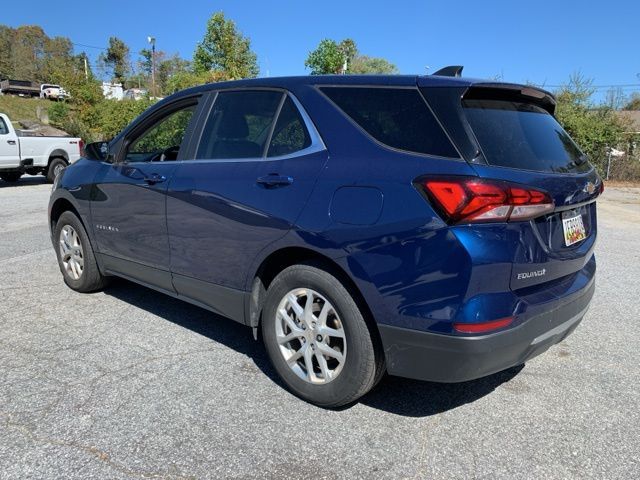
<point>450,71</point>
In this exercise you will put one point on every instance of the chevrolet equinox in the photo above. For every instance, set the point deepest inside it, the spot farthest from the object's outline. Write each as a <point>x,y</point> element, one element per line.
<point>432,227</point>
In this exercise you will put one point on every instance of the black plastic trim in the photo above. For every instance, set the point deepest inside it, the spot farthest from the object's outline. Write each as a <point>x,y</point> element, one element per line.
<point>450,359</point>
<point>224,301</point>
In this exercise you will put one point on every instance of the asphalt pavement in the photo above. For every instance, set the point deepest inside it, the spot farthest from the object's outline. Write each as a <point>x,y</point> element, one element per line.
<point>129,383</point>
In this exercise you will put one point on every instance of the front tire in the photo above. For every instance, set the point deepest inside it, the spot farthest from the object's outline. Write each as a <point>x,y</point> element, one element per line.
<point>317,338</point>
<point>11,177</point>
<point>76,259</point>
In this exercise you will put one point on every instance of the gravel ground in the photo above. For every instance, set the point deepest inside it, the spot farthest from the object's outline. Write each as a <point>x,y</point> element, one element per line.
<point>128,383</point>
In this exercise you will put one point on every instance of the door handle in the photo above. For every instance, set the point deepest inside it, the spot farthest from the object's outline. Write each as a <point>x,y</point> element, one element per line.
<point>274,180</point>
<point>11,142</point>
<point>154,178</point>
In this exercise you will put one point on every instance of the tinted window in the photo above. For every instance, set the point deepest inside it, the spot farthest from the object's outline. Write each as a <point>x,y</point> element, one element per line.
<point>239,124</point>
<point>3,127</point>
<point>520,135</point>
<point>396,117</point>
<point>162,141</point>
<point>290,134</point>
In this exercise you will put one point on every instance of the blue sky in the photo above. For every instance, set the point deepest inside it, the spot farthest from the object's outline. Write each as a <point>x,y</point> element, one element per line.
<point>542,41</point>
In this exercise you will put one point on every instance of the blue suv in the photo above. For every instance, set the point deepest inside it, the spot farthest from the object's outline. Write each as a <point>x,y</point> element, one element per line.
<point>432,227</point>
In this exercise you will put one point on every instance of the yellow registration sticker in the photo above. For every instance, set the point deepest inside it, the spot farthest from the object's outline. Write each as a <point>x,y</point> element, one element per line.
<point>573,227</point>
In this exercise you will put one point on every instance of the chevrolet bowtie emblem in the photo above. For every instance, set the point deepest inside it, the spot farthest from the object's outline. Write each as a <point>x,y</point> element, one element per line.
<point>589,187</point>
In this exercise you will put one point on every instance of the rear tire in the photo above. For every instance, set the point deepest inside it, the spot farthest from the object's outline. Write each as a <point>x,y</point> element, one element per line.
<point>344,357</point>
<point>75,255</point>
<point>55,167</point>
<point>11,177</point>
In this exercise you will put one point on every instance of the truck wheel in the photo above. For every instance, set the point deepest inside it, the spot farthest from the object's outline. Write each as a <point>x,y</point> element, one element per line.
<point>55,167</point>
<point>75,255</point>
<point>317,339</point>
<point>11,177</point>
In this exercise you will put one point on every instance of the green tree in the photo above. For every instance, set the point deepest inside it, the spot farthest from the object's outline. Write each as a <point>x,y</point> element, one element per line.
<point>362,64</point>
<point>58,60</point>
<point>145,64</point>
<point>594,128</point>
<point>6,40</point>
<point>225,49</point>
<point>615,98</point>
<point>114,115</point>
<point>116,60</point>
<point>169,68</point>
<point>27,52</point>
<point>633,103</point>
<point>331,57</point>
<point>188,78</point>
<point>349,50</point>
<point>327,58</point>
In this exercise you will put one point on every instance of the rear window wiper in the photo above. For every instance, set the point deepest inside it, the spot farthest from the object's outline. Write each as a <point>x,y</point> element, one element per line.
<point>576,163</point>
<point>582,159</point>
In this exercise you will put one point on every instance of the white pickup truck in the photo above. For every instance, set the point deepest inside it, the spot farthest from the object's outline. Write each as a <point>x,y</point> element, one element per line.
<point>53,92</point>
<point>21,153</point>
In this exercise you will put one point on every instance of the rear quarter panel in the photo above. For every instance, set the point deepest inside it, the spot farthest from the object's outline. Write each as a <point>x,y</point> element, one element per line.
<point>403,230</point>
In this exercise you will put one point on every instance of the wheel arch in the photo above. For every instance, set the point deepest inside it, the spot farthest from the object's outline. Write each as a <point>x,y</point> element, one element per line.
<point>285,257</point>
<point>58,153</point>
<point>60,206</point>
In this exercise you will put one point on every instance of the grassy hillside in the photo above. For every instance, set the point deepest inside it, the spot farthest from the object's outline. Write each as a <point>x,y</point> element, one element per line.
<point>19,108</point>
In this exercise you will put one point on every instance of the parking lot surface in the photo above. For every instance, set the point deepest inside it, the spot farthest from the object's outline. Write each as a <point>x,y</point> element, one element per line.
<point>128,383</point>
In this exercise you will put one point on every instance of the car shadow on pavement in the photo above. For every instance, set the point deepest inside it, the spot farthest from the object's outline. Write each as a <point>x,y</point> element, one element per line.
<point>413,398</point>
<point>25,181</point>
<point>199,320</point>
<point>395,395</point>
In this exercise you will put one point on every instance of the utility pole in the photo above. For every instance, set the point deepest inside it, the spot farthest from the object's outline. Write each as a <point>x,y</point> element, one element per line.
<point>152,41</point>
<point>86,69</point>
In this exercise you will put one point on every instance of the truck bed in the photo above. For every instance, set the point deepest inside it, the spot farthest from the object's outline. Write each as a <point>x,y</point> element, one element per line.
<point>20,87</point>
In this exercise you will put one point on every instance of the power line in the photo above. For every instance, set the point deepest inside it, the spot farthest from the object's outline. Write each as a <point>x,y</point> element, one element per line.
<point>596,87</point>
<point>88,46</point>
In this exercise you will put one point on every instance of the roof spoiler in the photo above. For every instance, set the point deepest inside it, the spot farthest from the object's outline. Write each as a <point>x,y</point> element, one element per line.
<point>511,91</point>
<point>450,71</point>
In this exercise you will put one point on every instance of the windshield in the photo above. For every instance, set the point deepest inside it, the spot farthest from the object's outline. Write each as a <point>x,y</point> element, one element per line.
<point>521,135</point>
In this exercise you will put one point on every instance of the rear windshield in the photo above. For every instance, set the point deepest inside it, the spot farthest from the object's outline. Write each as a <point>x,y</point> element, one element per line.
<point>521,135</point>
<point>397,117</point>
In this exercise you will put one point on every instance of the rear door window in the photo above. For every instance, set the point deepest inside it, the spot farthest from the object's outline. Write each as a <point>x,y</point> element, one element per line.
<point>239,124</point>
<point>396,117</point>
<point>523,136</point>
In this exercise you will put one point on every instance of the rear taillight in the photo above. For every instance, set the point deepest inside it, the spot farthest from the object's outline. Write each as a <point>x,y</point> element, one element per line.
<point>471,199</point>
<point>81,147</point>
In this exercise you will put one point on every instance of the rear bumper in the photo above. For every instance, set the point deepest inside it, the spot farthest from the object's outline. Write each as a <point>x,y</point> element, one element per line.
<point>447,358</point>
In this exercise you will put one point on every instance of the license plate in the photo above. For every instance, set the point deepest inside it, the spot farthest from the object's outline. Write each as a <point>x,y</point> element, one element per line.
<point>573,227</point>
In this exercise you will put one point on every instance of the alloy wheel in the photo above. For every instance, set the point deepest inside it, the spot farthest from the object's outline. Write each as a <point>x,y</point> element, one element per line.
<point>71,253</point>
<point>311,336</point>
<point>57,169</point>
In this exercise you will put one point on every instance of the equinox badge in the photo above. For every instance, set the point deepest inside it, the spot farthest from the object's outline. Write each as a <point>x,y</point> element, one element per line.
<point>533,274</point>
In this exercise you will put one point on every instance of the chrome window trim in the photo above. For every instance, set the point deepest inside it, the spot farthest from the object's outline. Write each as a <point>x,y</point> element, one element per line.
<point>317,144</point>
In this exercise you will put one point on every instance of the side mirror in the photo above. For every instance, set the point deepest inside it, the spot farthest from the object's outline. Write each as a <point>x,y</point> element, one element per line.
<point>97,151</point>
